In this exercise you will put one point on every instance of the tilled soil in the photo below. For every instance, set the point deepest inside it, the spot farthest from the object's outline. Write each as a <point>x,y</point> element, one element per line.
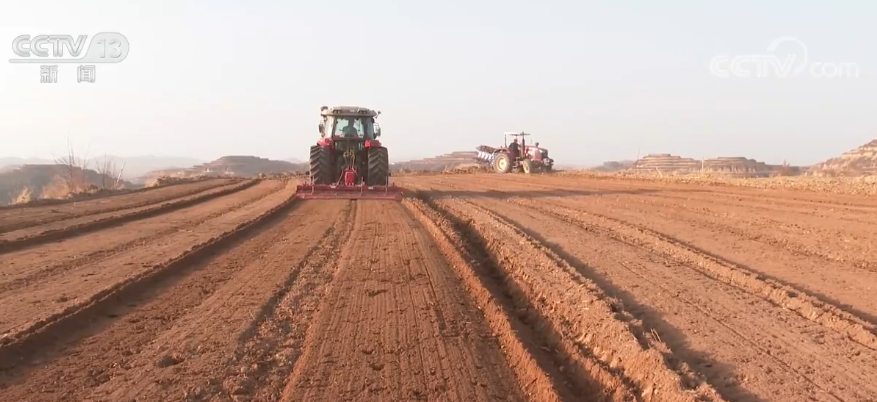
<point>91,219</point>
<point>474,288</point>
<point>13,218</point>
<point>764,294</point>
<point>396,324</point>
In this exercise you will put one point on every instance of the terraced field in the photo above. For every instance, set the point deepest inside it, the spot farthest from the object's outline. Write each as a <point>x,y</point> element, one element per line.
<point>473,288</point>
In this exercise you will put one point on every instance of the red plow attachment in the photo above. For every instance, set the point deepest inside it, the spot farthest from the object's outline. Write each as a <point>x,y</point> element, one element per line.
<point>347,192</point>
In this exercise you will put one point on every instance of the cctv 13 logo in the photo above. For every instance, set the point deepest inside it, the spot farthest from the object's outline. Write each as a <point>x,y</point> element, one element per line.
<point>105,47</point>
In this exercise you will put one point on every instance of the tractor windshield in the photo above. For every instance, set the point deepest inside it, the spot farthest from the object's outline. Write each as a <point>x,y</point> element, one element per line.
<point>353,127</point>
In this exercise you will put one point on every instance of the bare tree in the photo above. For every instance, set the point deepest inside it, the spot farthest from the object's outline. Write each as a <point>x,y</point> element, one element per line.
<point>74,169</point>
<point>110,174</point>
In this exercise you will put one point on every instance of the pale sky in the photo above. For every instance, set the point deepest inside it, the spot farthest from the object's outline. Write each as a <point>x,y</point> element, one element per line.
<point>593,81</point>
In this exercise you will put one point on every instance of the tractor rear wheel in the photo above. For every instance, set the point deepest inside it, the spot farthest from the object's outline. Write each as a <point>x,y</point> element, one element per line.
<point>378,167</point>
<point>502,163</point>
<point>321,165</point>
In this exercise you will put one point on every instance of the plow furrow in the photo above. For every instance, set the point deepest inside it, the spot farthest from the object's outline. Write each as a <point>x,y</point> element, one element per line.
<point>779,294</point>
<point>58,230</point>
<point>36,305</point>
<point>593,332</point>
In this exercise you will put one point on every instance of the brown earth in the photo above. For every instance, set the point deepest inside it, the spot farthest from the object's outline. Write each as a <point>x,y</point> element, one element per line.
<point>12,218</point>
<point>473,288</point>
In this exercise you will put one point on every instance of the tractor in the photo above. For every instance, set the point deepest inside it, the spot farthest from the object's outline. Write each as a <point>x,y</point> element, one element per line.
<point>530,159</point>
<point>348,161</point>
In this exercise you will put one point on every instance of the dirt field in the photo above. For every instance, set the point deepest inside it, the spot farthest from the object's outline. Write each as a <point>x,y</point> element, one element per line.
<point>474,288</point>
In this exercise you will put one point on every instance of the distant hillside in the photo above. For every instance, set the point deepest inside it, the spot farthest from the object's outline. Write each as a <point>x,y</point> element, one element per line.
<point>857,162</point>
<point>31,182</point>
<point>731,166</point>
<point>672,164</point>
<point>441,162</point>
<point>233,165</point>
<point>134,165</point>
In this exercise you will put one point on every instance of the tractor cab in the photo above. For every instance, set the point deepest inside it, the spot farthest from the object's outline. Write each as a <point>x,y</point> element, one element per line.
<point>349,122</point>
<point>349,128</point>
<point>354,125</point>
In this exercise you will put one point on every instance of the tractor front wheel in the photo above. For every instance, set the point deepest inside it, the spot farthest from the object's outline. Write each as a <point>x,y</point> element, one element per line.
<point>526,166</point>
<point>502,163</point>
<point>321,165</point>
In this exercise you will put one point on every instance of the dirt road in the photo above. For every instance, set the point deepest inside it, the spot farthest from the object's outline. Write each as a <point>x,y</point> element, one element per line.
<point>471,289</point>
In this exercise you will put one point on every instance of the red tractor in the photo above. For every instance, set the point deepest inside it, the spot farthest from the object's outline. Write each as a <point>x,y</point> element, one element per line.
<point>529,158</point>
<point>349,161</point>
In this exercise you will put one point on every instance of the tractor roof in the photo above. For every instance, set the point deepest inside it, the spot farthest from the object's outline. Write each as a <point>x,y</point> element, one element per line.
<point>347,111</point>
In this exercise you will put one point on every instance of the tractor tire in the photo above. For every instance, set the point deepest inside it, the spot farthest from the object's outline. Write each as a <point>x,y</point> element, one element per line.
<point>502,163</point>
<point>546,168</point>
<point>526,166</point>
<point>378,167</point>
<point>321,165</point>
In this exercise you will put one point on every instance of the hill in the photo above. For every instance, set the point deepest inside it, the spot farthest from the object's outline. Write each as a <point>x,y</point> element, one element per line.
<point>860,161</point>
<point>437,163</point>
<point>673,164</point>
<point>232,165</point>
<point>31,182</point>
<point>134,165</point>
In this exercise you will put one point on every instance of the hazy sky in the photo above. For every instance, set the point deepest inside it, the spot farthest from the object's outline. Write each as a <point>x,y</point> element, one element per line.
<point>594,81</point>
